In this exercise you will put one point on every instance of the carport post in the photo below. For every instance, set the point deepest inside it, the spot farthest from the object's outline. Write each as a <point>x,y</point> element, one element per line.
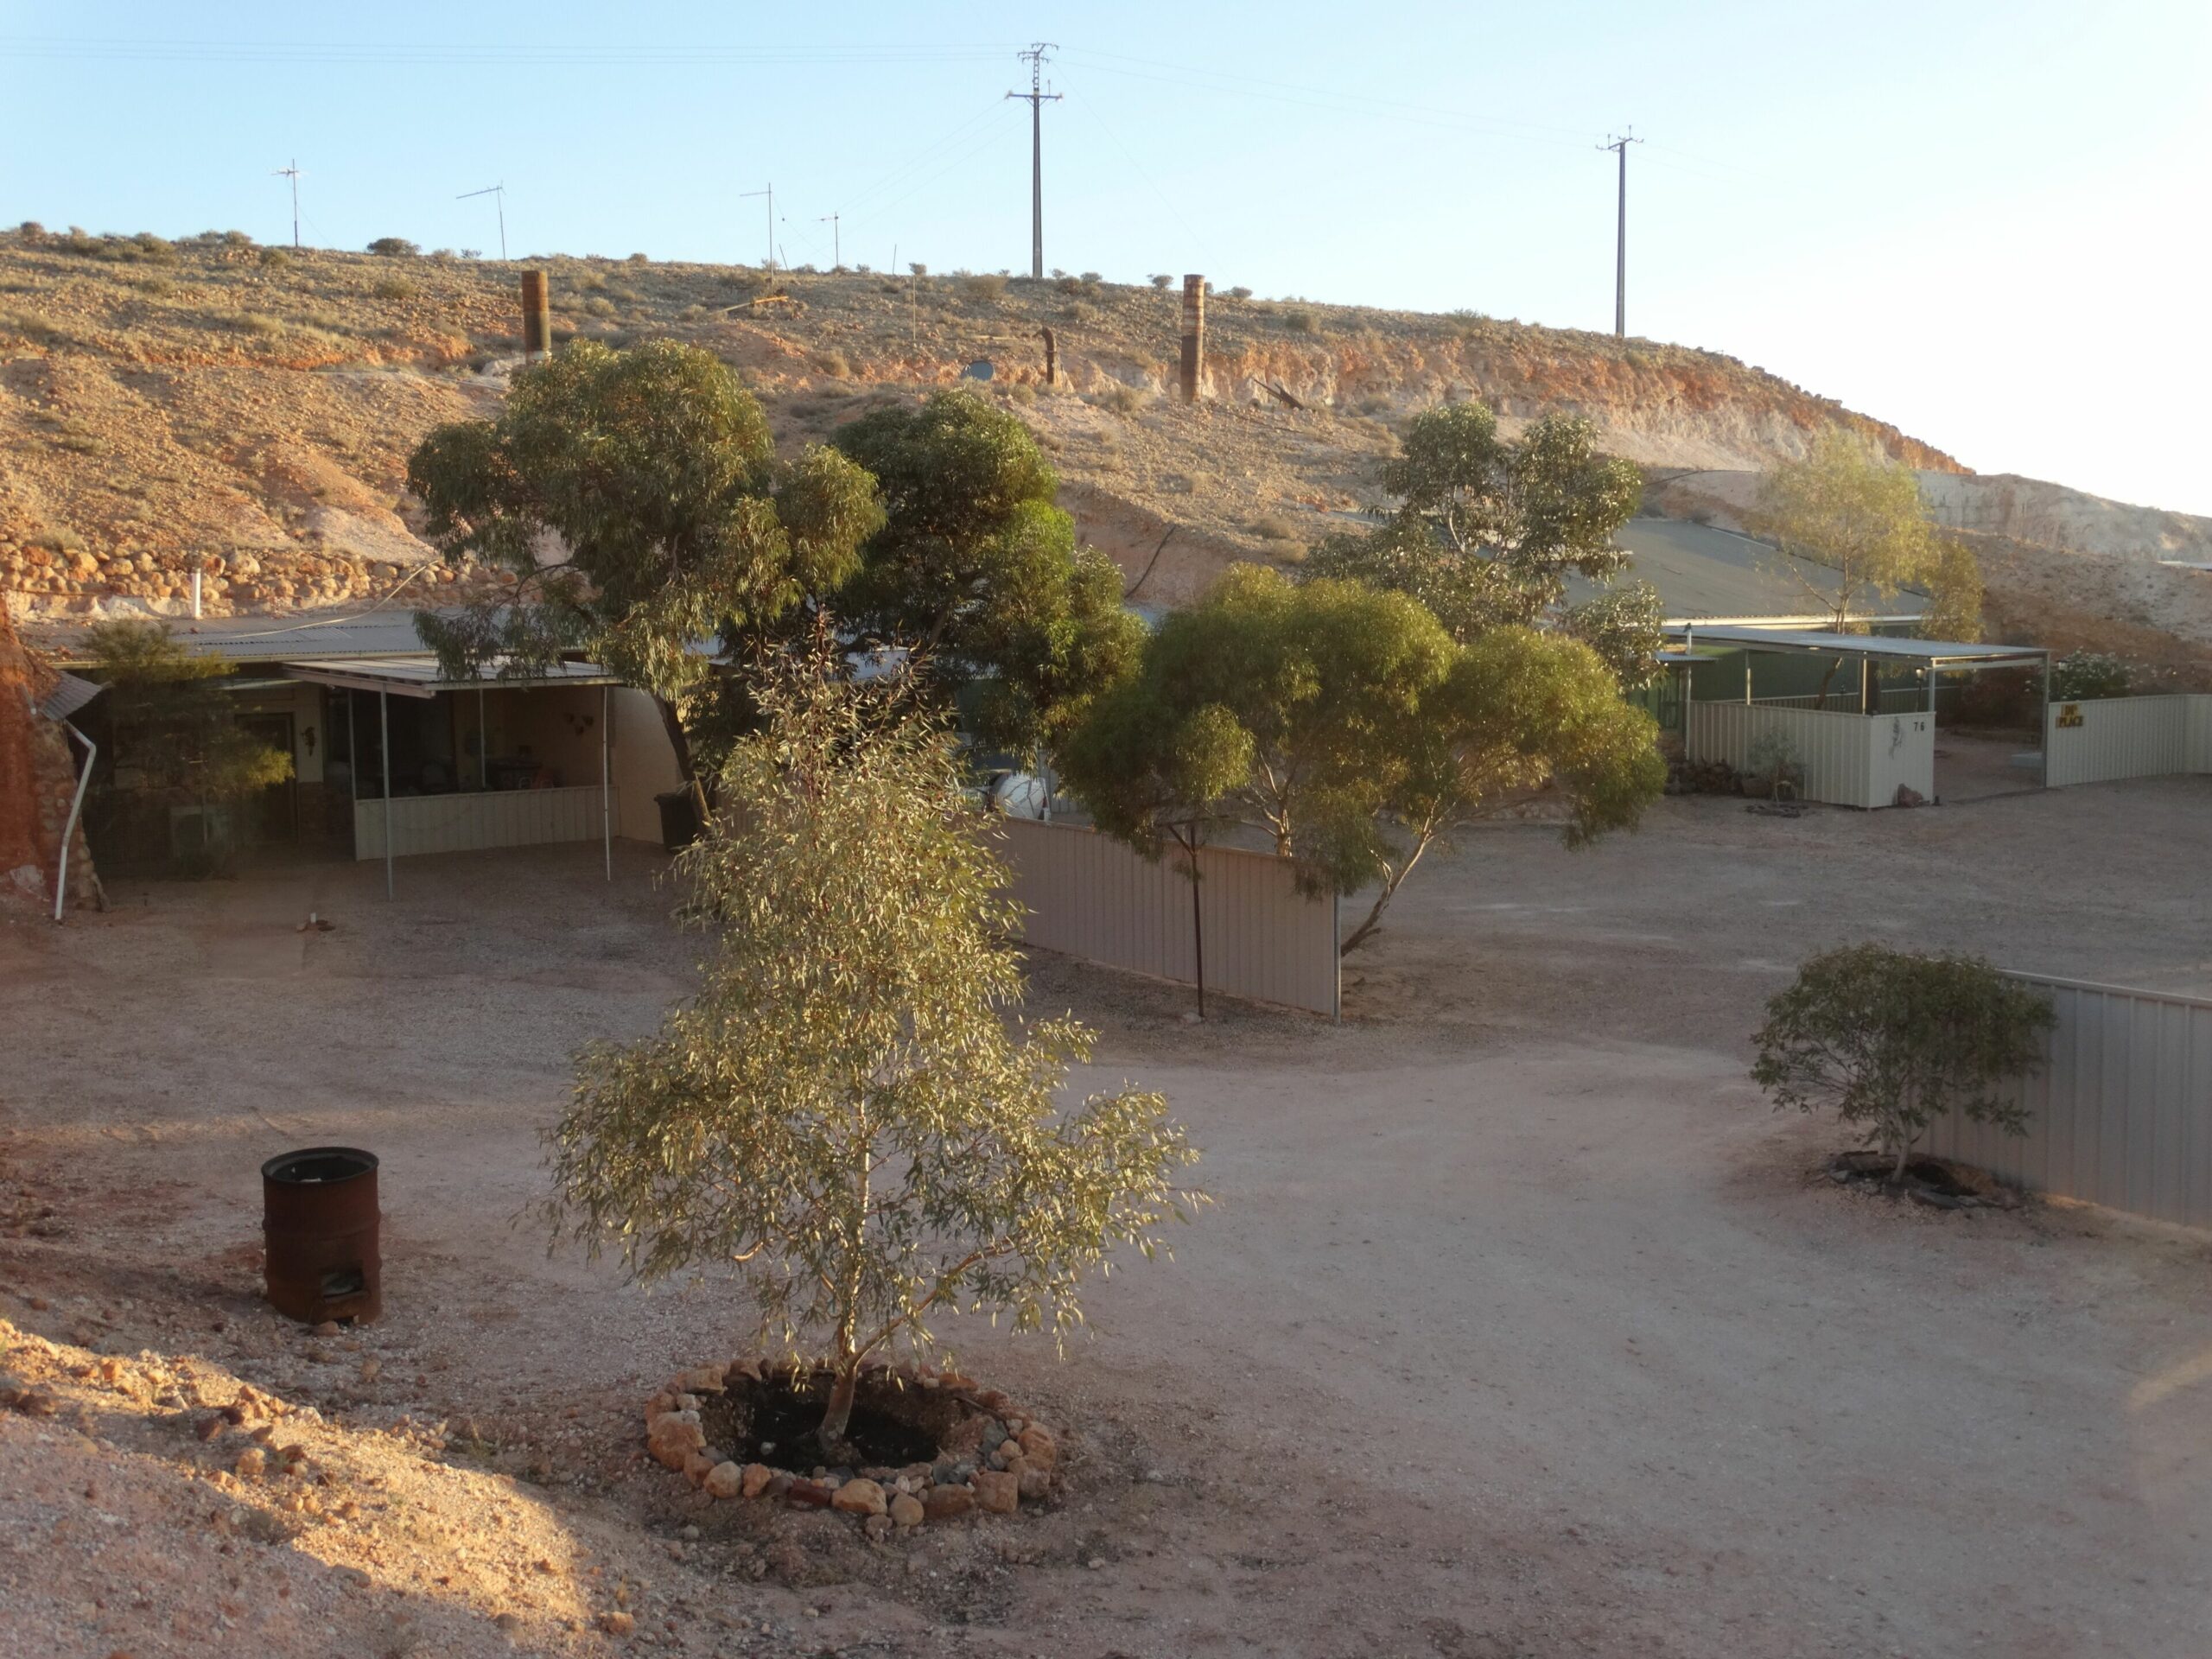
<point>2045,744</point>
<point>383,727</point>
<point>606,806</point>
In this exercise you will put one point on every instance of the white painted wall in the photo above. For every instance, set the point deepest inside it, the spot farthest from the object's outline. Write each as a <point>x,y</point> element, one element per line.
<point>644,763</point>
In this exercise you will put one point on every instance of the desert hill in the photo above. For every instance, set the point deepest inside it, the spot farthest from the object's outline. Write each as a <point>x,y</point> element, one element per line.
<point>253,408</point>
<point>256,406</point>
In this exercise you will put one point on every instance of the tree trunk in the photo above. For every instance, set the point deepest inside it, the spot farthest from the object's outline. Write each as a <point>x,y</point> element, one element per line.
<point>839,1415</point>
<point>1396,879</point>
<point>679,741</point>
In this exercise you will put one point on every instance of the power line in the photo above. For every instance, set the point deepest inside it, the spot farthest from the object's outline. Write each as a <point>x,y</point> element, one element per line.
<point>1619,146</point>
<point>769,192</point>
<point>836,247</point>
<point>1037,97</point>
<point>386,53</point>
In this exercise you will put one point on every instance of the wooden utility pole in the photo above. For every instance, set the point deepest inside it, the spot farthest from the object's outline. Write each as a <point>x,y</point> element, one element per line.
<point>1194,335</point>
<point>1619,146</point>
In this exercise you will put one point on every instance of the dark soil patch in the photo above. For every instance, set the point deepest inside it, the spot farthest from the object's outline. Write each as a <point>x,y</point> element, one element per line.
<point>1925,1180</point>
<point>774,1420</point>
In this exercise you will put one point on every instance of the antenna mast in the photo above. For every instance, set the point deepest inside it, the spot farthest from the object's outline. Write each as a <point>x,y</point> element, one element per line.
<point>293,173</point>
<point>770,193</point>
<point>1037,97</point>
<point>498,194</point>
<point>836,247</point>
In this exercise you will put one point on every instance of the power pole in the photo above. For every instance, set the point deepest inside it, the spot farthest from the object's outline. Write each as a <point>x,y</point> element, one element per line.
<point>293,173</point>
<point>770,193</point>
<point>1037,99</point>
<point>1619,146</point>
<point>499,192</point>
<point>836,247</point>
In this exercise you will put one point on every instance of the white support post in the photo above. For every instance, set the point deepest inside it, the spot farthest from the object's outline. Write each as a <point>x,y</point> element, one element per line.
<point>384,726</point>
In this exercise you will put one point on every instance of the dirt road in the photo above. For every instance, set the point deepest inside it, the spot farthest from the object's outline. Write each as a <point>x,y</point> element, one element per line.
<point>1518,1329</point>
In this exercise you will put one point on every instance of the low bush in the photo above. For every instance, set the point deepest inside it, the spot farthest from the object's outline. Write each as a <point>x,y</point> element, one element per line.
<point>1893,1040</point>
<point>2086,675</point>
<point>1123,399</point>
<point>395,288</point>
<point>982,285</point>
<point>394,247</point>
<point>1300,320</point>
<point>1161,279</point>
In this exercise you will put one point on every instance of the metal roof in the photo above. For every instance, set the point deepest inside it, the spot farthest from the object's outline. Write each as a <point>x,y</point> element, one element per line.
<point>1851,644</point>
<point>309,637</point>
<point>416,675</point>
<point>68,695</point>
<point>1702,572</point>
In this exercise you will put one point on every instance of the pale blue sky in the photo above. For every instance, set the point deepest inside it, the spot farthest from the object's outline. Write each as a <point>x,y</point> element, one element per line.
<point>1986,222</point>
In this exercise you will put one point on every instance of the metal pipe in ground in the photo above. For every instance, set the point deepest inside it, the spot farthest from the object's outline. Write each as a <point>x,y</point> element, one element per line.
<point>1194,335</point>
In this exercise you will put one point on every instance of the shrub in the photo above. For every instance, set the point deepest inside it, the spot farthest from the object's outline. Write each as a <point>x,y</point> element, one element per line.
<point>1772,758</point>
<point>31,230</point>
<point>275,257</point>
<point>1300,320</point>
<point>1161,279</point>
<point>1238,293</point>
<point>1091,279</point>
<point>982,285</point>
<point>395,288</point>
<point>639,259</point>
<point>918,269</point>
<point>394,247</point>
<point>1892,1041</point>
<point>1274,527</point>
<point>1067,284</point>
<point>600,306</point>
<point>237,239</point>
<point>2085,675</point>
<point>833,364</point>
<point>1123,399</point>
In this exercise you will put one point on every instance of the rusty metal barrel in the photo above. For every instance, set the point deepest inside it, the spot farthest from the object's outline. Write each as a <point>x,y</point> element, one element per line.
<point>536,315</point>
<point>318,1223</point>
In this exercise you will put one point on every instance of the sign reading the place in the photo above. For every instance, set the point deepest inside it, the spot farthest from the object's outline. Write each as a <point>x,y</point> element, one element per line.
<point>2069,714</point>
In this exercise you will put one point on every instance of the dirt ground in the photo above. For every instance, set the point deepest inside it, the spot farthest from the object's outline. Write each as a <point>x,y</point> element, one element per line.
<point>1520,1328</point>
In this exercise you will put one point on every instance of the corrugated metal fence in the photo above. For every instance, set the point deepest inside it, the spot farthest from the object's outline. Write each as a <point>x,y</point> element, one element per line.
<point>2121,1114</point>
<point>2100,742</point>
<point>1849,759</point>
<point>1089,896</point>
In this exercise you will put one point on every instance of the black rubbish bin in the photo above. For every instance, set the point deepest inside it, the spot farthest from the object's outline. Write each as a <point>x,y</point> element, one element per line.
<point>679,819</point>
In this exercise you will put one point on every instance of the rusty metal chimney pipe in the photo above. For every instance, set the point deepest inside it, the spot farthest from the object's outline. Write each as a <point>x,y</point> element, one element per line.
<point>537,317</point>
<point>1194,335</point>
<point>321,1229</point>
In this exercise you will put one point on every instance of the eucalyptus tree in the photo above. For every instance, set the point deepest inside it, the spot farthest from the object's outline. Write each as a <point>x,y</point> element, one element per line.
<point>846,1117</point>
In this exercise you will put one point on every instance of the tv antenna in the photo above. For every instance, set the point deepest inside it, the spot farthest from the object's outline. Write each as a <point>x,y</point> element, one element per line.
<point>499,194</point>
<point>293,173</point>
<point>769,192</point>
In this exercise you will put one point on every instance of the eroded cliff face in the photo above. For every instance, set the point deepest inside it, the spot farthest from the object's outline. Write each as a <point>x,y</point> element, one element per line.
<point>252,411</point>
<point>37,782</point>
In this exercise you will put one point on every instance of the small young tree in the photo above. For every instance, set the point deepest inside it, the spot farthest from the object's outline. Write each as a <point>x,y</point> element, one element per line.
<point>842,1117</point>
<point>1893,1040</point>
<point>2085,675</point>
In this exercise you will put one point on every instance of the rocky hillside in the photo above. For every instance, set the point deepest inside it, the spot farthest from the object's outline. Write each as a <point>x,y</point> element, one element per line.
<point>253,409</point>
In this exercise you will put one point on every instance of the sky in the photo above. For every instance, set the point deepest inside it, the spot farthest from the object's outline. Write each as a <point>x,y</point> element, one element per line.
<point>1986,223</point>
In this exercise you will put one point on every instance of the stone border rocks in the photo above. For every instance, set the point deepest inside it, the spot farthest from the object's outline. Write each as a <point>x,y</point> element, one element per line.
<point>999,1457</point>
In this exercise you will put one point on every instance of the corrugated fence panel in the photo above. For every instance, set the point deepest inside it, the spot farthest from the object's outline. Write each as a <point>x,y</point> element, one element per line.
<point>2121,1114</point>
<point>2111,738</point>
<point>464,824</point>
<point>1849,759</point>
<point>1087,895</point>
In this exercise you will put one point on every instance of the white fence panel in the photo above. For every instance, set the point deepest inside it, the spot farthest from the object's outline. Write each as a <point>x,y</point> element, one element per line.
<point>1089,896</point>
<point>2111,738</point>
<point>2121,1114</point>
<point>1849,759</point>
<point>464,824</point>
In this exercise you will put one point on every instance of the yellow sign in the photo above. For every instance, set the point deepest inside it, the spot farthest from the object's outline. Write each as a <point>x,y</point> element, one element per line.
<point>2069,714</point>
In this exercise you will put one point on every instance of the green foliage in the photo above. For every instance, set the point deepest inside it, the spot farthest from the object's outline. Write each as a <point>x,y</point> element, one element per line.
<point>177,735</point>
<point>394,247</point>
<point>1847,506</point>
<point>844,1117</point>
<point>1626,626</point>
<point>1347,724</point>
<point>1487,532</point>
<point>2084,675</point>
<point>977,569</point>
<point>1953,583</point>
<point>649,481</point>
<point>1893,1040</point>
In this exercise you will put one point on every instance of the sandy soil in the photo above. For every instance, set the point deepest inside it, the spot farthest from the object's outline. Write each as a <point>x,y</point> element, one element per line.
<point>1518,1330</point>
